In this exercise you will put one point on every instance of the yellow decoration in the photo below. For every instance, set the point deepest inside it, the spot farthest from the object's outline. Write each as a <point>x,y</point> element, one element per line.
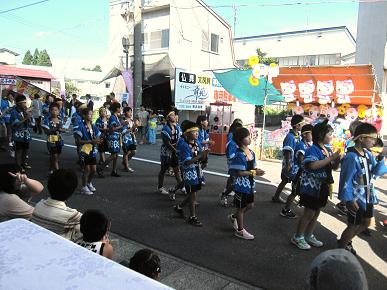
<point>342,109</point>
<point>379,112</point>
<point>87,148</point>
<point>307,108</point>
<point>253,81</point>
<point>253,61</point>
<point>291,106</point>
<point>362,111</point>
<point>273,64</point>
<point>53,138</point>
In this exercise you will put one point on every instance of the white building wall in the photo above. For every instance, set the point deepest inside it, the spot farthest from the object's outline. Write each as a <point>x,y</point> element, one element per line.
<point>7,58</point>
<point>311,43</point>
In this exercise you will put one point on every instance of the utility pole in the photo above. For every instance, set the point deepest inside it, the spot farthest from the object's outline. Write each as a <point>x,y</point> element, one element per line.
<point>235,8</point>
<point>137,55</point>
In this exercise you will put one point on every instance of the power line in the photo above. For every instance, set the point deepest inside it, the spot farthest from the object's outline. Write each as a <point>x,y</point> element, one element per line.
<point>24,6</point>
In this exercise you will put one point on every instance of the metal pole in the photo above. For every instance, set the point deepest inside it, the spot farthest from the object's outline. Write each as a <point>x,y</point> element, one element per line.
<point>137,55</point>
<point>264,121</point>
<point>127,59</point>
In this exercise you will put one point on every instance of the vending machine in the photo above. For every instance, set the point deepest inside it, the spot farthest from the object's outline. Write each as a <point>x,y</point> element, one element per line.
<point>220,120</point>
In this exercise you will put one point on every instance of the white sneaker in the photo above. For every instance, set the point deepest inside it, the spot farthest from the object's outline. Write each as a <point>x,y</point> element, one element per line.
<point>243,234</point>
<point>311,240</point>
<point>163,191</point>
<point>85,190</point>
<point>12,153</point>
<point>183,190</point>
<point>300,243</point>
<point>223,200</point>
<point>91,187</point>
<point>233,221</point>
<point>131,170</point>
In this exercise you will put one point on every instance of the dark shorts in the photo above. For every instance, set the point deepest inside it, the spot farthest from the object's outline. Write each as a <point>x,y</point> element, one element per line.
<point>358,217</point>
<point>55,149</point>
<point>241,200</point>
<point>169,161</point>
<point>193,188</point>
<point>285,177</point>
<point>88,160</point>
<point>22,145</point>
<point>312,202</point>
<point>130,147</point>
<point>102,147</point>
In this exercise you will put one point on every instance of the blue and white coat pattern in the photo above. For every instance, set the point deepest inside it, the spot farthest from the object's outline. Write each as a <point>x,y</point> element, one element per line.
<point>20,132</point>
<point>167,136</point>
<point>242,184</point>
<point>87,135</point>
<point>289,144</point>
<point>353,185</point>
<point>113,138</point>
<point>192,174</point>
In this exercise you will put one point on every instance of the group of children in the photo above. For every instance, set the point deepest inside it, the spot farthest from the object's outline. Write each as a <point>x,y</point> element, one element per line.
<point>308,164</point>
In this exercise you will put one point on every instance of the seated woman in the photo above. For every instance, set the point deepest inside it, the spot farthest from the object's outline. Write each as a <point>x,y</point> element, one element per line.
<point>15,188</point>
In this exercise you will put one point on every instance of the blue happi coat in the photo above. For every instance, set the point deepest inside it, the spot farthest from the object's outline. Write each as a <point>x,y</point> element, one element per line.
<point>6,111</point>
<point>113,137</point>
<point>203,137</point>
<point>243,184</point>
<point>356,177</point>
<point>300,149</point>
<point>20,132</point>
<point>53,129</point>
<point>128,137</point>
<point>289,144</point>
<point>192,174</point>
<point>87,135</point>
<point>312,180</point>
<point>167,136</point>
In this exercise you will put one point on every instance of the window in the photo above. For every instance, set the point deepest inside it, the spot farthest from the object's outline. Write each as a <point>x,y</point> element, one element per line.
<point>145,39</point>
<point>205,42</point>
<point>165,38</point>
<point>214,43</point>
<point>159,39</point>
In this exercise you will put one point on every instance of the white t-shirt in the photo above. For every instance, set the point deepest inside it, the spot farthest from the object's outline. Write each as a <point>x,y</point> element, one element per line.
<point>12,206</point>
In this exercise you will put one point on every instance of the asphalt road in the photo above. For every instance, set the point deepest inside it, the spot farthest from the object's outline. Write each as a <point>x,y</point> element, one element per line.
<point>139,213</point>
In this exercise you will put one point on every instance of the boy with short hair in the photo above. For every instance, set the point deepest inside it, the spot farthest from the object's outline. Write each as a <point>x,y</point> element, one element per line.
<point>52,213</point>
<point>21,121</point>
<point>301,147</point>
<point>190,157</point>
<point>289,145</point>
<point>95,228</point>
<point>358,168</point>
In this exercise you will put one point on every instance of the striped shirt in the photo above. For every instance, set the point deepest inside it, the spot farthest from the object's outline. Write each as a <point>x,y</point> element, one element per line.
<point>55,216</point>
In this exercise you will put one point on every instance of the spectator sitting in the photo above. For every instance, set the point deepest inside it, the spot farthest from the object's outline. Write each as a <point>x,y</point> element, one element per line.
<point>52,213</point>
<point>95,230</point>
<point>14,187</point>
<point>336,269</point>
<point>145,262</point>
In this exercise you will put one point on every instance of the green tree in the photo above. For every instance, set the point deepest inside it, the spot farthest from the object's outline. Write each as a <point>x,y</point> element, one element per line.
<point>35,58</point>
<point>44,58</point>
<point>27,58</point>
<point>71,89</point>
<point>263,59</point>
<point>97,68</point>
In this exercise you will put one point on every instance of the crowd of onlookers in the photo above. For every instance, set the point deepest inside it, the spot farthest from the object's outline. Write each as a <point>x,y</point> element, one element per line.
<point>89,230</point>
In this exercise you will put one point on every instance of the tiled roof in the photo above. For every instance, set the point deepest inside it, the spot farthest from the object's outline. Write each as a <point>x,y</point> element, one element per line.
<point>24,72</point>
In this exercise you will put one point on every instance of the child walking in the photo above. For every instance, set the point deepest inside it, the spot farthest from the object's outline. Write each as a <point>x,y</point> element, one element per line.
<point>190,155</point>
<point>203,139</point>
<point>358,169</point>
<point>289,145</point>
<point>102,124</point>
<point>88,139</point>
<point>95,228</point>
<point>301,147</point>
<point>316,184</point>
<point>53,127</point>
<point>129,143</point>
<point>244,168</point>
<point>152,125</point>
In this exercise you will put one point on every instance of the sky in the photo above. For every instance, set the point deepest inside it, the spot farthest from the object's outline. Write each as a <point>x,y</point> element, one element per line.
<point>77,30</point>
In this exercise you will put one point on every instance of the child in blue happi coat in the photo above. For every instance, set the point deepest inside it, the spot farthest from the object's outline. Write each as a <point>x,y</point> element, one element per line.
<point>316,184</point>
<point>243,168</point>
<point>53,127</point>
<point>87,135</point>
<point>152,126</point>
<point>102,125</point>
<point>358,169</point>
<point>289,145</point>
<point>204,138</point>
<point>21,122</point>
<point>296,171</point>
<point>129,143</point>
<point>191,155</point>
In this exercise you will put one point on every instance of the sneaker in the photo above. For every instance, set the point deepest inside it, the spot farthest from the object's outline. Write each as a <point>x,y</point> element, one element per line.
<point>288,213</point>
<point>311,240</point>
<point>178,210</point>
<point>131,170</point>
<point>85,190</point>
<point>172,196</point>
<point>350,248</point>
<point>233,221</point>
<point>183,191</point>
<point>163,191</point>
<point>193,220</point>
<point>277,200</point>
<point>223,200</point>
<point>300,243</point>
<point>91,187</point>
<point>243,234</point>
<point>115,174</point>
<point>27,166</point>
<point>342,208</point>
